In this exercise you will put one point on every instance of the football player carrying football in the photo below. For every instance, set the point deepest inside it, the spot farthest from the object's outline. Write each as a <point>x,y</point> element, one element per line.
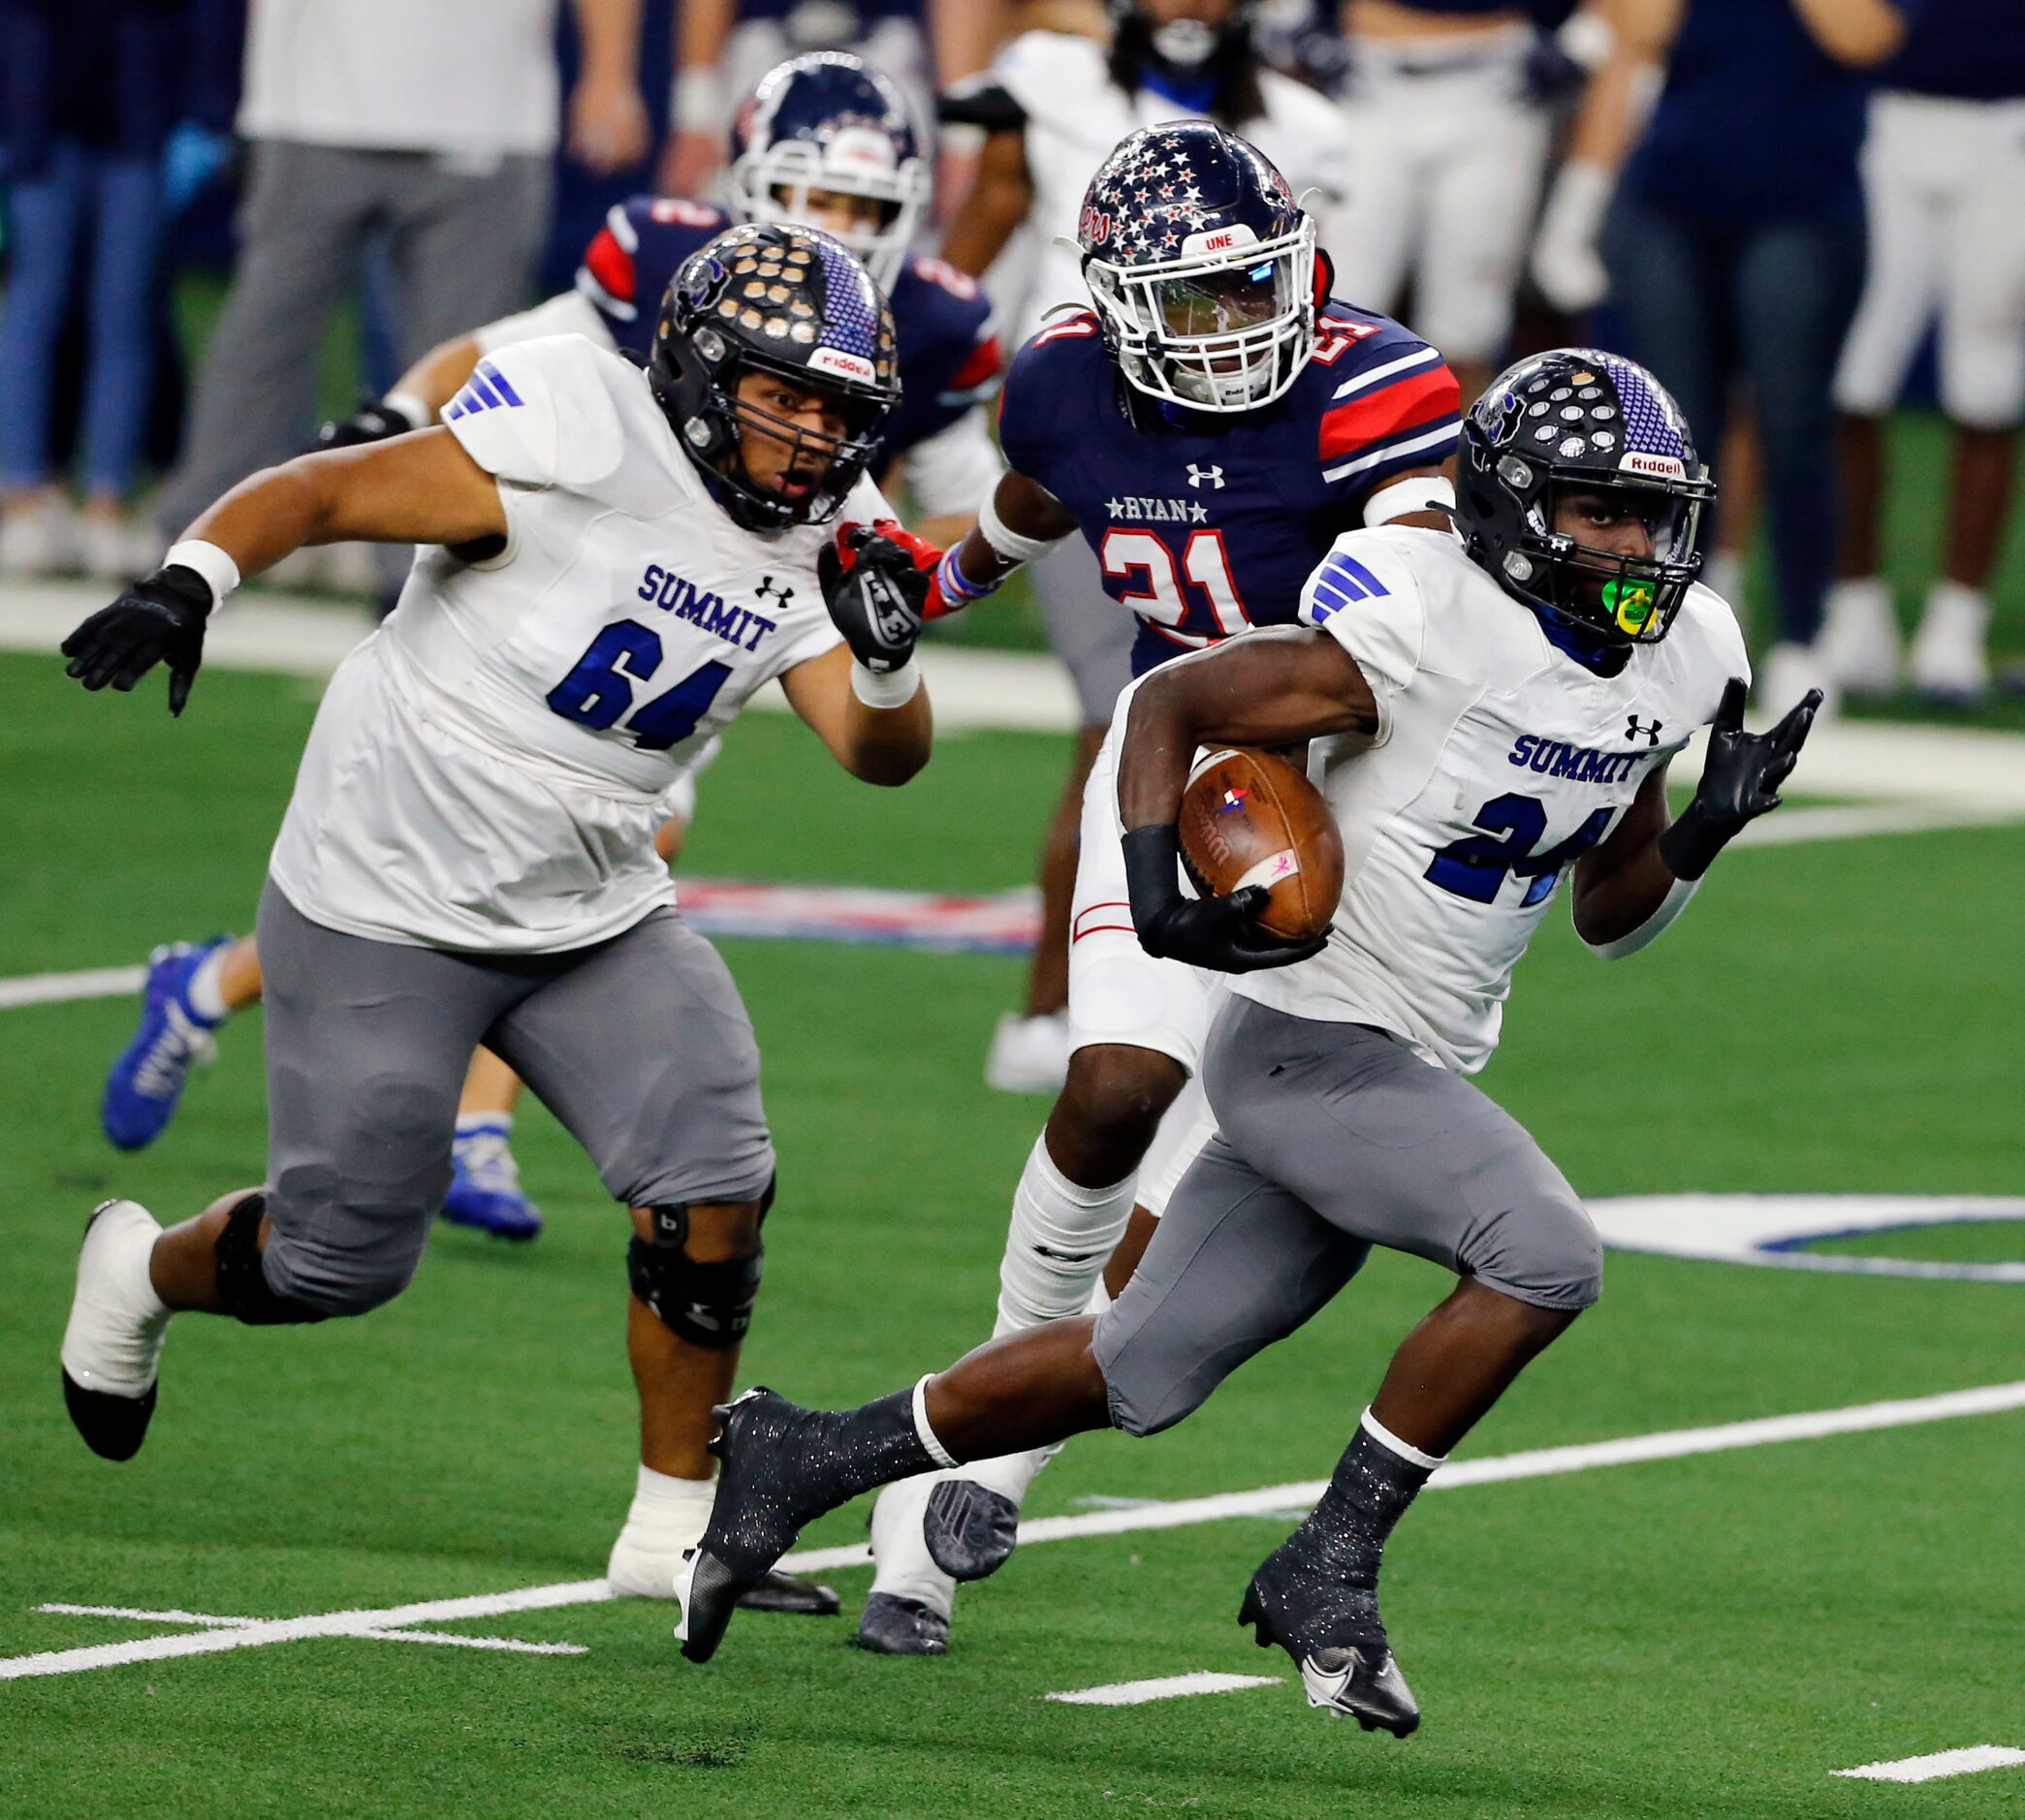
<point>1209,427</point>
<point>825,142</point>
<point>1492,710</point>
<point>613,563</point>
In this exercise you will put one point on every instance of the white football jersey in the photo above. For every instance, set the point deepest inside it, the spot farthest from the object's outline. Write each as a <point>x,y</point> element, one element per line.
<point>1497,762</point>
<point>483,771</point>
<point>1076,114</point>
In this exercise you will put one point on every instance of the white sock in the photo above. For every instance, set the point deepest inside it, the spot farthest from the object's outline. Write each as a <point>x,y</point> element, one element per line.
<point>665,1506</point>
<point>1406,1450</point>
<point>1958,597</point>
<point>1060,1237</point>
<point>487,1125</point>
<point>205,993</point>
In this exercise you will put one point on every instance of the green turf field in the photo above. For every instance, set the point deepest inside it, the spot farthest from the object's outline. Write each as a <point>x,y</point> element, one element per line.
<point>1707,1636</point>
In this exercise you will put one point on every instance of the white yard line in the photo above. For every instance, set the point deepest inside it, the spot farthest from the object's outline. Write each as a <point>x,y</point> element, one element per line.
<point>1943,1763</point>
<point>1164,1687</point>
<point>58,988</point>
<point>1534,1464</point>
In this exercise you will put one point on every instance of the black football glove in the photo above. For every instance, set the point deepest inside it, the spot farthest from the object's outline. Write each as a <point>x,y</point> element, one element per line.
<point>1218,932</point>
<point>1740,780</point>
<point>374,420</point>
<point>876,590</point>
<point>157,620</point>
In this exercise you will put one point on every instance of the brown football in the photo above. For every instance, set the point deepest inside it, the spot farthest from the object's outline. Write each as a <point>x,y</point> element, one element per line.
<point>1250,817</point>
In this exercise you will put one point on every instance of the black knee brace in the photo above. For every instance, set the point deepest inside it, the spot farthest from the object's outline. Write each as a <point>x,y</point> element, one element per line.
<point>707,1304</point>
<point>242,1285</point>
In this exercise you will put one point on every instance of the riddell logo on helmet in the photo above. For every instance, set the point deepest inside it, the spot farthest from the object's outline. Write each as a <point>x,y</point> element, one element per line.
<point>844,366</point>
<point>1672,466</point>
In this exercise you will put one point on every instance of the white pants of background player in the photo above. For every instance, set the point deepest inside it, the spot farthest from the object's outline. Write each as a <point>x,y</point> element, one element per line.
<point>1447,154</point>
<point>1944,188</point>
<point>1062,1233</point>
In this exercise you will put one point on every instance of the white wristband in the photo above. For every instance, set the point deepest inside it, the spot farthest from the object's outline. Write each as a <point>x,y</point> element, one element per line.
<point>1421,493</point>
<point>696,100</point>
<point>895,689</point>
<point>1008,543</point>
<point>1654,926</point>
<point>418,410</point>
<point>221,574</point>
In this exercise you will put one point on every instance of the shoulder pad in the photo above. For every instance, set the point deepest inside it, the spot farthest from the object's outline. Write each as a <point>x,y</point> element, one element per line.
<point>543,413</point>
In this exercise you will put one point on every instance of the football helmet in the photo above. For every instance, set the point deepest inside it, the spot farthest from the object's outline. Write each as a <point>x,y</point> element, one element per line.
<point>1202,266</point>
<point>828,120</point>
<point>783,300</point>
<point>1579,421</point>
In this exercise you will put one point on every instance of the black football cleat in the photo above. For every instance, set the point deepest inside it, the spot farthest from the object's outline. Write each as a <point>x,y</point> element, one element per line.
<point>789,1592</point>
<point>891,1625</point>
<point>753,1520</point>
<point>969,1529</point>
<point>1346,1665</point>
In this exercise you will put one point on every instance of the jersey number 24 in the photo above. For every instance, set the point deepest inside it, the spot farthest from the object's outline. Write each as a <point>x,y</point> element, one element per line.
<point>1475,866</point>
<point>596,694</point>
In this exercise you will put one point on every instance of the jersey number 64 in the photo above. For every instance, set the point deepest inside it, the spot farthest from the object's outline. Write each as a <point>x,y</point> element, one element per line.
<point>596,694</point>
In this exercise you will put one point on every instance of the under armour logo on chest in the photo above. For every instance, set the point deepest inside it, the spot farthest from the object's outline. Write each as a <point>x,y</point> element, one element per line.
<point>1198,476</point>
<point>1635,729</point>
<point>767,590</point>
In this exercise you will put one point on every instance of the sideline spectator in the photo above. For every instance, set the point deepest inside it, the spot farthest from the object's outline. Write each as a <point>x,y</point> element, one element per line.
<point>1943,173</point>
<point>89,93</point>
<point>1735,249</point>
<point>433,124</point>
<point>1448,103</point>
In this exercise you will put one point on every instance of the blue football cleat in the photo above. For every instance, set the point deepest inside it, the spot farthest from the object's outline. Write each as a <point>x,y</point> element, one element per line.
<point>484,1190</point>
<point>143,1086</point>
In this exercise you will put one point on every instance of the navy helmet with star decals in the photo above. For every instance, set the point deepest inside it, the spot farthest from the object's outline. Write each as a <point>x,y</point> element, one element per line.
<point>1577,421</point>
<point>1202,266</point>
<point>781,299</point>
<point>827,122</point>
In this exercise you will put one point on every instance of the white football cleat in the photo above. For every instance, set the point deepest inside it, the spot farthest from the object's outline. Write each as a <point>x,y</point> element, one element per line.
<point>38,538</point>
<point>1029,1054</point>
<point>1859,639</point>
<point>112,1345</point>
<point>1949,662</point>
<point>1789,670</point>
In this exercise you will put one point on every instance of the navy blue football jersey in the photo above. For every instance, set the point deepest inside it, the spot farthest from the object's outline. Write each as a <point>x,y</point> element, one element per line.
<point>1205,524</point>
<point>948,359</point>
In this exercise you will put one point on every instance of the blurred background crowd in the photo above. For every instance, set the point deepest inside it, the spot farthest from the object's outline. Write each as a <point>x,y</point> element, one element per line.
<point>225,217</point>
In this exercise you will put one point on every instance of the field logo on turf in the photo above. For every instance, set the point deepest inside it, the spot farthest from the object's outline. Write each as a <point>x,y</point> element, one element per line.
<point>1772,1229</point>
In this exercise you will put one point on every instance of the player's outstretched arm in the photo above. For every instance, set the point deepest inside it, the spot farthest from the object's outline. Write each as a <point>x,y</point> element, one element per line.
<point>876,744</point>
<point>1629,887</point>
<point>1273,687</point>
<point>415,490</point>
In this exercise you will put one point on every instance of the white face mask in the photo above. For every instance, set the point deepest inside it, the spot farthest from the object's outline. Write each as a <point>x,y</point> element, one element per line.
<point>1186,44</point>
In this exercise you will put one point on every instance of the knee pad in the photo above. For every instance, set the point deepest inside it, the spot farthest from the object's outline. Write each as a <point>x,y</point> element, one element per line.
<point>708,1304</point>
<point>242,1284</point>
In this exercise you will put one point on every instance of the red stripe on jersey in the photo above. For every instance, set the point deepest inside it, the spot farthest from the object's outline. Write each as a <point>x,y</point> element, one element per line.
<point>980,365</point>
<point>611,265</point>
<point>1411,400</point>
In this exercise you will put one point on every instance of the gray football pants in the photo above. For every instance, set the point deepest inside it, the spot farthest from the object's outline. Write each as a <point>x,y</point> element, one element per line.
<point>1332,1139</point>
<point>463,246</point>
<point>1091,632</point>
<point>639,1045</point>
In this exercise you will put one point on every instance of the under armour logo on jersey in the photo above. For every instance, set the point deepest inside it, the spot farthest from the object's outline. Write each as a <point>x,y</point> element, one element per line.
<point>1635,729</point>
<point>767,590</point>
<point>486,389</point>
<point>1197,475</point>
